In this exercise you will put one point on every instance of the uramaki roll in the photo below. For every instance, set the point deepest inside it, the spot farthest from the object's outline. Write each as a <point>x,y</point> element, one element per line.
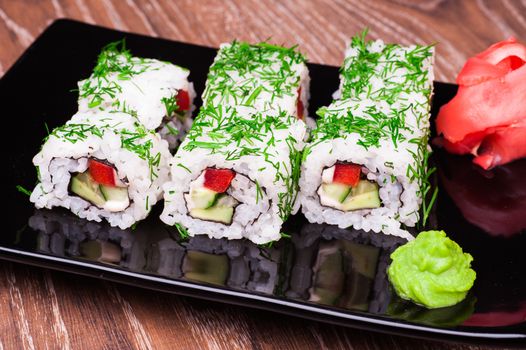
<point>366,165</point>
<point>102,166</point>
<point>236,173</point>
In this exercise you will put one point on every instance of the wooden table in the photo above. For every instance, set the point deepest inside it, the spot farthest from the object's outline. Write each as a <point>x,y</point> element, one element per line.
<point>46,309</point>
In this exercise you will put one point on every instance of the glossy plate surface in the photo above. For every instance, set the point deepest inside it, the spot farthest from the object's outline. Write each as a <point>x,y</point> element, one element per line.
<point>322,272</point>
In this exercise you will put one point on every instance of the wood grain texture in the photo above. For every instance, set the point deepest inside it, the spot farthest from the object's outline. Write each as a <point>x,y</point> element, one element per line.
<point>50,310</point>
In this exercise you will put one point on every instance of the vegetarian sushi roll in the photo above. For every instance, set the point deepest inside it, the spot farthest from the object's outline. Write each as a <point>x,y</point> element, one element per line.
<point>236,174</point>
<point>102,166</point>
<point>158,93</point>
<point>366,165</point>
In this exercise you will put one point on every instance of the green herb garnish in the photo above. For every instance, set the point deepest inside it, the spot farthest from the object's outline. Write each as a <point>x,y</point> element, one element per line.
<point>133,139</point>
<point>264,72</point>
<point>23,190</point>
<point>183,232</point>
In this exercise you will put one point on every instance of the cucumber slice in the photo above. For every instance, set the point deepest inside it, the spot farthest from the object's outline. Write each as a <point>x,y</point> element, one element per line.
<point>218,214</point>
<point>112,193</point>
<point>336,191</point>
<point>224,200</point>
<point>86,188</point>
<point>203,198</point>
<point>366,197</point>
<point>117,198</point>
<point>364,186</point>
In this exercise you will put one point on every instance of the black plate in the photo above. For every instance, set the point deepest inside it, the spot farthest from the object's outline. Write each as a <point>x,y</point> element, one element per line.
<point>321,273</point>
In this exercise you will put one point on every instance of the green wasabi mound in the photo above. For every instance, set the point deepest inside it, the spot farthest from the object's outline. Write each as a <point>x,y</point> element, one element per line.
<point>431,271</point>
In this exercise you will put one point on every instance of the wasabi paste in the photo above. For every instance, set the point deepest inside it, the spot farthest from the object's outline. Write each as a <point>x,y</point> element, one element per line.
<point>431,271</point>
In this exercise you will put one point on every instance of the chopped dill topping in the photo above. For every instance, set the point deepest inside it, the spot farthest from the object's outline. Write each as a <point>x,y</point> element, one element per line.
<point>173,131</point>
<point>23,190</point>
<point>170,103</point>
<point>134,139</point>
<point>399,69</point>
<point>253,95</point>
<point>372,127</point>
<point>243,74</point>
<point>74,132</point>
<point>285,235</point>
<point>259,193</point>
<point>185,168</point>
<point>183,232</point>
<point>427,205</point>
<point>268,245</point>
<point>115,61</point>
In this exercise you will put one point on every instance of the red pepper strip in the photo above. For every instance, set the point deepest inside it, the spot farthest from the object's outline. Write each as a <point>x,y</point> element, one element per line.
<point>300,108</point>
<point>218,180</point>
<point>347,174</point>
<point>102,173</point>
<point>183,100</point>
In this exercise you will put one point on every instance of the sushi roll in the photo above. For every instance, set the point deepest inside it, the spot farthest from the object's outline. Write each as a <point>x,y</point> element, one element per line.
<point>158,93</point>
<point>236,174</point>
<point>366,164</point>
<point>102,166</point>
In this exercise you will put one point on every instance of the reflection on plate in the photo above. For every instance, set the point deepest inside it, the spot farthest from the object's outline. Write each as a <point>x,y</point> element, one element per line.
<point>341,268</point>
<point>322,264</point>
<point>493,200</point>
<point>154,249</point>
